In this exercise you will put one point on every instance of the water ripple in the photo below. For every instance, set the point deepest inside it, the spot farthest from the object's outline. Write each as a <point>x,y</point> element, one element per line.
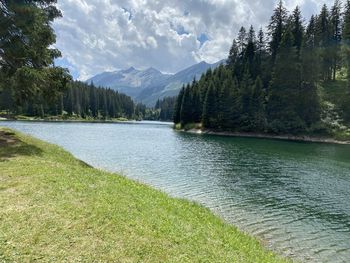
<point>293,196</point>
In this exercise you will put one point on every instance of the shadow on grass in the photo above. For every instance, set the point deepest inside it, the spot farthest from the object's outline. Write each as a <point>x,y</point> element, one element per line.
<point>11,147</point>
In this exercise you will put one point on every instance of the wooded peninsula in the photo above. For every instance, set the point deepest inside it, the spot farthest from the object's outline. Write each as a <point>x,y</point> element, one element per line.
<point>295,80</point>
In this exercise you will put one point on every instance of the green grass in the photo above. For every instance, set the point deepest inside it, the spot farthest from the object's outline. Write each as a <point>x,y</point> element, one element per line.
<point>55,208</point>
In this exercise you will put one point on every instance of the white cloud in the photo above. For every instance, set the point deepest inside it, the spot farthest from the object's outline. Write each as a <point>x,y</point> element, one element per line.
<point>152,42</point>
<point>100,35</point>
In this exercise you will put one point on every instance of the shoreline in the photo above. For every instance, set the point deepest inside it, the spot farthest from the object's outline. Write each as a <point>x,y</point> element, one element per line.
<point>144,202</point>
<point>67,121</point>
<point>288,137</point>
<point>293,138</point>
<point>83,121</point>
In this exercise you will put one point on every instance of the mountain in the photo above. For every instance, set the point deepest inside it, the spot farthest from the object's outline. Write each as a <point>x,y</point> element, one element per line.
<point>172,85</point>
<point>147,86</point>
<point>130,81</point>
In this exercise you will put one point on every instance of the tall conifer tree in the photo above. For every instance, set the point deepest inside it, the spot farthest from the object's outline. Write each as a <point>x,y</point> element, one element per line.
<point>284,89</point>
<point>336,36</point>
<point>277,27</point>
<point>209,118</point>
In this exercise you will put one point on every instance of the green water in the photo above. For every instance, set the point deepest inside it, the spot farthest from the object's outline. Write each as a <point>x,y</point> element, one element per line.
<point>293,196</point>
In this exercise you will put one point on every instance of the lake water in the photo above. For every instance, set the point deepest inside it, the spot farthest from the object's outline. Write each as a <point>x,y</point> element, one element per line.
<point>293,196</point>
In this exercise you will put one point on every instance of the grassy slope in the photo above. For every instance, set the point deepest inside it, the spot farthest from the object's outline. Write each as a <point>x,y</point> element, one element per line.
<point>54,208</point>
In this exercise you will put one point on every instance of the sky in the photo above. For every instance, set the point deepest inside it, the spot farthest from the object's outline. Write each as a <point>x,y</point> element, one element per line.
<point>106,35</point>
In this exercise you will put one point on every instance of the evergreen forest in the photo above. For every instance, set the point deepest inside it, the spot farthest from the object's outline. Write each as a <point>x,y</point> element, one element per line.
<point>292,78</point>
<point>79,101</point>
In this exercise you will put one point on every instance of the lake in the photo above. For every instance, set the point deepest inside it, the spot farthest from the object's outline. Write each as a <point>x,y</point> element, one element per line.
<point>293,196</point>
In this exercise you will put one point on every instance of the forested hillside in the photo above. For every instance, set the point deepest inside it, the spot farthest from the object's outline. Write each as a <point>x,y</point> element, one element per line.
<point>165,107</point>
<point>282,81</point>
<point>80,100</point>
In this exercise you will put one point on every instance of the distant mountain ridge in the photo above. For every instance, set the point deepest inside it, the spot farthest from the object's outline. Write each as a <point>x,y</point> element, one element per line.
<point>147,86</point>
<point>129,81</point>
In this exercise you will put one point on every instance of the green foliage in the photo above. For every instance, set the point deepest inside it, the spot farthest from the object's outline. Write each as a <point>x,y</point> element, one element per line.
<point>284,89</point>
<point>276,28</point>
<point>87,100</point>
<point>178,104</point>
<point>26,56</point>
<point>80,101</point>
<point>186,106</point>
<point>297,28</point>
<point>336,37</point>
<point>166,108</point>
<point>258,107</point>
<point>346,40</point>
<point>44,85</point>
<point>277,87</point>
<point>323,40</point>
<point>210,108</point>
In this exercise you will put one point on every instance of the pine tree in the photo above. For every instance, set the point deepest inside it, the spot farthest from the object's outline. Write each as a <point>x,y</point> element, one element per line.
<point>277,27</point>
<point>245,95</point>
<point>197,106</point>
<point>186,107</point>
<point>242,39</point>
<point>69,105</point>
<point>261,45</point>
<point>93,101</point>
<point>178,104</point>
<point>166,108</point>
<point>346,55</point>
<point>323,39</point>
<point>297,28</point>
<point>310,34</point>
<point>226,105</point>
<point>346,39</point>
<point>209,117</point>
<point>204,84</point>
<point>258,107</point>
<point>157,106</point>
<point>309,101</point>
<point>60,105</point>
<point>284,89</point>
<point>262,59</point>
<point>249,54</point>
<point>233,55</point>
<point>336,36</point>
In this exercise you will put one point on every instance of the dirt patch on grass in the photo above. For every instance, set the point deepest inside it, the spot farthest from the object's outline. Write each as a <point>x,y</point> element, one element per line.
<point>11,146</point>
<point>7,138</point>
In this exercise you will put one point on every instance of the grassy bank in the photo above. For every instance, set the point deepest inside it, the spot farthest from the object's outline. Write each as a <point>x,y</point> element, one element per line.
<point>56,208</point>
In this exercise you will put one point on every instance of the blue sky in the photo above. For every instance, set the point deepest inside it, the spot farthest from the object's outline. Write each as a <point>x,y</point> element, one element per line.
<point>106,35</point>
<point>63,62</point>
